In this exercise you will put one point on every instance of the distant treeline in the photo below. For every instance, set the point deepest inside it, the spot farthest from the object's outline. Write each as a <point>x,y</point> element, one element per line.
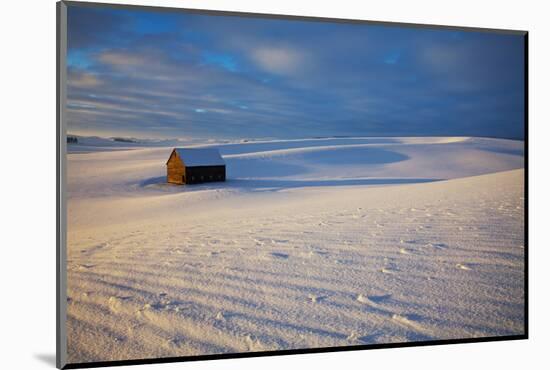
<point>124,140</point>
<point>72,140</point>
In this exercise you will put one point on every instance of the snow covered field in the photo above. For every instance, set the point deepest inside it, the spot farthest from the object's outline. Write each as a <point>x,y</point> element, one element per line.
<point>310,243</point>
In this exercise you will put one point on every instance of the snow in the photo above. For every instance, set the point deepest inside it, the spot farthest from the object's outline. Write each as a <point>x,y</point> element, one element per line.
<point>192,157</point>
<point>309,243</point>
<point>88,144</point>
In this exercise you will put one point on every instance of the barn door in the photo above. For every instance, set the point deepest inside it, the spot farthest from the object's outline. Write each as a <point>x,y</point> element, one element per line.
<point>183,179</point>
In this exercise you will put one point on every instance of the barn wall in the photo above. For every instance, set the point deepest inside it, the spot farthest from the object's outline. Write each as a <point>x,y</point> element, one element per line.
<point>174,170</point>
<point>200,174</point>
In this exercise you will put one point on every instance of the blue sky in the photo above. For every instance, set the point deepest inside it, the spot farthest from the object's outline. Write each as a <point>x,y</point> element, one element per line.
<point>175,75</point>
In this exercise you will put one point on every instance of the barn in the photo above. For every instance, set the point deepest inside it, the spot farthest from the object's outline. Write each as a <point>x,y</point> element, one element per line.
<point>195,165</point>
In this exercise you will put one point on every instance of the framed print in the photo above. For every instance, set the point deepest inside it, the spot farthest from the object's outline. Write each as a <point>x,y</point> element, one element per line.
<point>235,184</point>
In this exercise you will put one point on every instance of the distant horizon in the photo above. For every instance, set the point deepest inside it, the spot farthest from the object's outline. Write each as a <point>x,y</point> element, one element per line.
<point>144,73</point>
<point>272,137</point>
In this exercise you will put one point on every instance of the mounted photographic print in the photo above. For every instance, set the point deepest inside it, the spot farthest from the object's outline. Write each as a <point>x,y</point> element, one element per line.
<point>234,184</point>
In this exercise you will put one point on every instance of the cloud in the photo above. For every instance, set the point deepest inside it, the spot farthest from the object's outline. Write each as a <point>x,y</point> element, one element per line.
<point>122,58</point>
<point>145,90</point>
<point>474,64</point>
<point>89,27</point>
<point>279,60</point>
<point>232,77</point>
<point>83,80</point>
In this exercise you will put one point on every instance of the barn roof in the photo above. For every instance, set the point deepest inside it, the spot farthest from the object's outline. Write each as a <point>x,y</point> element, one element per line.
<point>200,156</point>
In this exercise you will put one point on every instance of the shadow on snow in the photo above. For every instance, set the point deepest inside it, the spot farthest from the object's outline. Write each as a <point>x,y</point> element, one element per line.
<point>271,173</point>
<point>277,184</point>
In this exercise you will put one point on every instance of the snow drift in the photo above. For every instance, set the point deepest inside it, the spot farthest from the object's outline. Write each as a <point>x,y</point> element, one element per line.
<point>310,243</point>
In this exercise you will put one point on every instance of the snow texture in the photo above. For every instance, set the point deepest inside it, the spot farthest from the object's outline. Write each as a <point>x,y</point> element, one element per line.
<point>310,243</point>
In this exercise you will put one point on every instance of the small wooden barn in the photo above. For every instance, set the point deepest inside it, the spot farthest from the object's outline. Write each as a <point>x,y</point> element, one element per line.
<point>195,165</point>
